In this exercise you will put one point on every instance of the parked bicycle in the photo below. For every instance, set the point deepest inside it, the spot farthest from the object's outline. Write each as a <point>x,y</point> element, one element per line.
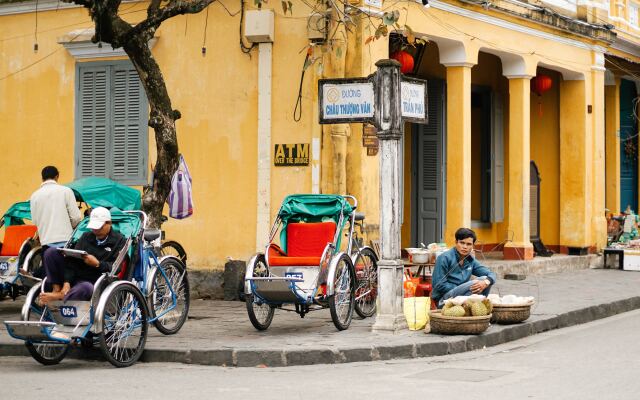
<point>172,247</point>
<point>365,262</point>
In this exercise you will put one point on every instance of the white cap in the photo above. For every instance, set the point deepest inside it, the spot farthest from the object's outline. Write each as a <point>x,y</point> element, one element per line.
<point>99,216</point>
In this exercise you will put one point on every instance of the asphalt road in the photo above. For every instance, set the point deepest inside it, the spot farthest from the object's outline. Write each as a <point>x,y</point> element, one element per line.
<point>599,360</point>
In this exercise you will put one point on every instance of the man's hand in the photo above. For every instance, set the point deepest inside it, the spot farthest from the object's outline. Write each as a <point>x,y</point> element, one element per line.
<point>90,260</point>
<point>478,286</point>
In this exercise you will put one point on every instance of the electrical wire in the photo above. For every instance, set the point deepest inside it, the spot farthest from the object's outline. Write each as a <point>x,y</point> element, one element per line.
<point>38,61</point>
<point>204,39</point>
<point>244,48</point>
<point>297,111</point>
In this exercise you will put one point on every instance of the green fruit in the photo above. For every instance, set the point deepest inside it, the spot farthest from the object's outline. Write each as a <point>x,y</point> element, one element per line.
<point>487,303</point>
<point>479,309</point>
<point>455,311</point>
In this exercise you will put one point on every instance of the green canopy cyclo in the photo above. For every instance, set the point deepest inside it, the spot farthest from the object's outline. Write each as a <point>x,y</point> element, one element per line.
<point>307,269</point>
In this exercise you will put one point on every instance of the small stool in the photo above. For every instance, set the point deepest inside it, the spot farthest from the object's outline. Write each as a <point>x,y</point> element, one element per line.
<point>613,252</point>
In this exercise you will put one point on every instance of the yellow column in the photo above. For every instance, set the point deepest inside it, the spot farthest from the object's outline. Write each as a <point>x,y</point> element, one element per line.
<point>520,247</point>
<point>458,199</point>
<point>599,223</point>
<point>612,145</point>
<point>575,146</point>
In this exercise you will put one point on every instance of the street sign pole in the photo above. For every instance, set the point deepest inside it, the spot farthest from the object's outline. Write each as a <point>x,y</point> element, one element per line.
<point>387,99</point>
<point>388,120</point>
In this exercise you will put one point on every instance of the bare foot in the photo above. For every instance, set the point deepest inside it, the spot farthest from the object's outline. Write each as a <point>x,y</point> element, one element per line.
<point>45,298</point>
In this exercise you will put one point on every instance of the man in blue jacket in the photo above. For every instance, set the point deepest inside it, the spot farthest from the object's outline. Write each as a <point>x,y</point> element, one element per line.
<point>454,268</point>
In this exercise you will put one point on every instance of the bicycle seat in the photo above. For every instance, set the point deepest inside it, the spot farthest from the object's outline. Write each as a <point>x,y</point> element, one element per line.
<point>151,234</point>
<point>359,216</point>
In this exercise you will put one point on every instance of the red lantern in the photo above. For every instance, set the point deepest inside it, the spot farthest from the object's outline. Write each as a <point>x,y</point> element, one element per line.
<point>539,85</point>
<point>405,59</point>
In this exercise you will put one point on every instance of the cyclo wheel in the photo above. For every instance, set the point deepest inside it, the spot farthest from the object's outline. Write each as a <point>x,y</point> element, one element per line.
<point>366,266</point>
<point>341,302</point>
<point>44,353</point>
<point>260,314</point>
<point>173,248</point>
<point>34,266</point>
<point>170,319</point>
<point>123,323</point>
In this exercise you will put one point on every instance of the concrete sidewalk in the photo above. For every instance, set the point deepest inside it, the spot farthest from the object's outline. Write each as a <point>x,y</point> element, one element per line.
<point>219,333</point>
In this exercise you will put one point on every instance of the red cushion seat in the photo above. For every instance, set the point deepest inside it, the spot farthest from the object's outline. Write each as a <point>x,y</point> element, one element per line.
<point>305,244</point>
<point>14,236</point>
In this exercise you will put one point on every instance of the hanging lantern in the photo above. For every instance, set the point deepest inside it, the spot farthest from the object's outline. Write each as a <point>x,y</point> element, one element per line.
<point>539,85</point>
<point>405,59</point>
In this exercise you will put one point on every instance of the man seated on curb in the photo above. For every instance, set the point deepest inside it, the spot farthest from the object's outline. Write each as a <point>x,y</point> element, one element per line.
<point>73,278</point>
<point>454,268</point>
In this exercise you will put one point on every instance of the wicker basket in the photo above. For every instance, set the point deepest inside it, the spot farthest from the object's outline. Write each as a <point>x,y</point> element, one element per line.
<point>510,314</point>
<point>458,325</point>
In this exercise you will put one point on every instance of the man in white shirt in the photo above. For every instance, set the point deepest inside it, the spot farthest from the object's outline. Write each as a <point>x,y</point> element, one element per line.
<point>54,210</point>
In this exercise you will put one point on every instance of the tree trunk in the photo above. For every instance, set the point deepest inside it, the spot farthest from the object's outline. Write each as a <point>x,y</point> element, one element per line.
<point>162,119</point>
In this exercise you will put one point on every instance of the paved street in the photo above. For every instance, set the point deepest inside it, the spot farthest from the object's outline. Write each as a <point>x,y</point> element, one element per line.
<point>219,333</point>
<point>595,361</point>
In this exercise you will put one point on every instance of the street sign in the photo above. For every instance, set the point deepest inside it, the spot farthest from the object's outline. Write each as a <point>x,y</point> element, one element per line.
<point>413,99</point>
<point>345,100</point>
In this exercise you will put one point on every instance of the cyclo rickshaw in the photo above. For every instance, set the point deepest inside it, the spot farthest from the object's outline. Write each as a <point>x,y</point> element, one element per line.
<point>308,269</point>
<point>141,289</point>
<point>20,251</point>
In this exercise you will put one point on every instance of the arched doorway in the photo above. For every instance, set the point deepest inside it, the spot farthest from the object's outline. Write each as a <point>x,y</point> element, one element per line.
<point>628,146</point>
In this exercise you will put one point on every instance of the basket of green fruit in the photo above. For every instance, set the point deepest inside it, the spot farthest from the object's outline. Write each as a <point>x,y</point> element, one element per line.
<point>462,316</point>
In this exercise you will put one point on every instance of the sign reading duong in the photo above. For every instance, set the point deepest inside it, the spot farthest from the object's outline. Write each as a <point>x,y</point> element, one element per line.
<point>346,100</point>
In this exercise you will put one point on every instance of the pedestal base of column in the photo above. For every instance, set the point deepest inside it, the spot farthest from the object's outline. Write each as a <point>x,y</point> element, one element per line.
<point>389,323</point>
<point>389,316</point>
<point>517,251</point>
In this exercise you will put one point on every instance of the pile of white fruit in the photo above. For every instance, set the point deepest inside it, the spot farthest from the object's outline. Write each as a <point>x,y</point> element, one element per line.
<point>510,300</point>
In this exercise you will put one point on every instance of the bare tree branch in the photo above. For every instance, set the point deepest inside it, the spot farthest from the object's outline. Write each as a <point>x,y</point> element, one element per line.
<point>174,8</point>
<point>154,6</point>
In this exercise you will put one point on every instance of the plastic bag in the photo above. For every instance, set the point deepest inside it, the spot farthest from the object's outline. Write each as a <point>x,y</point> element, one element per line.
<point>410,284</point>
<point>180,198</point>
<point>416,311</point>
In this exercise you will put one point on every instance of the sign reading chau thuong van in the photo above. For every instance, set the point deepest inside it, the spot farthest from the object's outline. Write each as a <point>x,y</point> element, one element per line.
<point>346,100</point>
<point>353,100</point>
<point>285,155</point>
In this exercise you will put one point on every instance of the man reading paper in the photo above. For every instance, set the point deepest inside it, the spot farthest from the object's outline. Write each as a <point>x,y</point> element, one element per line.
<point>73,278</point>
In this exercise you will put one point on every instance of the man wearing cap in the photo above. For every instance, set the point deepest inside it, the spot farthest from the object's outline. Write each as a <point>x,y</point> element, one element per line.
<point>73,278</point>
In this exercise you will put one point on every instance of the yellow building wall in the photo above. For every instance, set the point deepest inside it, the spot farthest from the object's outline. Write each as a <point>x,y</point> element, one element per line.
<point>216,94</point>
<point>545,152</point>
<point>218,130</point>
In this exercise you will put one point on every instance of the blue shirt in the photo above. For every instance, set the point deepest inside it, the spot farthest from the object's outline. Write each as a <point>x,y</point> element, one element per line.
<point>448,273</point>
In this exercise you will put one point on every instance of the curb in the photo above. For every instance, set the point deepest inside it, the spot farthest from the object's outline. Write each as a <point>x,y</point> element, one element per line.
<point>284,358</point>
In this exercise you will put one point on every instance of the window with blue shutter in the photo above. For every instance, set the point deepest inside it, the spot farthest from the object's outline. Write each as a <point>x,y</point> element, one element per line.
<point>111,123</point>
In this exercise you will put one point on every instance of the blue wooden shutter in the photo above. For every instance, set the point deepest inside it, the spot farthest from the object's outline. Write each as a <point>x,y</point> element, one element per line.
<point>129,121</point>
<point>92,138</point>
<point>497,160</point>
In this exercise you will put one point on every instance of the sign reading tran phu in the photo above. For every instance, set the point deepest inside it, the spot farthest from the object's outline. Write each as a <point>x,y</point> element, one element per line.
<point>413,100</point>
